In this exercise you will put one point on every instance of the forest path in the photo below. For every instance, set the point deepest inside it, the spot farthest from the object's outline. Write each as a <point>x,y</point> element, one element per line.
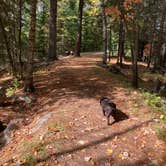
<point>76,134</point>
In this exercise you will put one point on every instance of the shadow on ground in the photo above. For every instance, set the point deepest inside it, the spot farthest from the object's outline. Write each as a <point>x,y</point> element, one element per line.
<point>120,116</point>
<point>95,142</point>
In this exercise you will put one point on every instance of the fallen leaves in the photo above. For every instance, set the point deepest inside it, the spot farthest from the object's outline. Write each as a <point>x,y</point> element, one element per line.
<point>71,124</point>
<point>123,155</point>
<point>120,155</point>
<point>81,142</point>
<point>162,117</point>
<point>88,129</point>
<point>53,129</point>
<point>109,151</point>
<point>87,158</point>
<point>124,139</point>
<point>35,149</point>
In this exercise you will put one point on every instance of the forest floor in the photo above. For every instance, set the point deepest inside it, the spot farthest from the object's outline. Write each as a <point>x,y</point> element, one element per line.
<point>75,132</point>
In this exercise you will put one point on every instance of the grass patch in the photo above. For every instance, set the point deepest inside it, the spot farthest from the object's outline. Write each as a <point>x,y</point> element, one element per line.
<point>156,102</point>
<point>33,152</point>
<point>135,110</point>
<point>40,71</point>
<point>161,132</point>
<point>159,110</point>
<point>54,126</point>
<point>151,76</point>
<point>10,91</point>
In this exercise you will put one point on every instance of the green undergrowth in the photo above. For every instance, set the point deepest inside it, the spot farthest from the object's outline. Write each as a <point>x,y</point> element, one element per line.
<point>10,91</point>
<point>154,76</point>
<point>160,131</point>
<point>55,126</point>
<point>158,106</point>
<point>33,152</point>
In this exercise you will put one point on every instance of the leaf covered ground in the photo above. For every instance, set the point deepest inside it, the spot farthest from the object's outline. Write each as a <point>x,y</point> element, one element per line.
<point>75,133</point>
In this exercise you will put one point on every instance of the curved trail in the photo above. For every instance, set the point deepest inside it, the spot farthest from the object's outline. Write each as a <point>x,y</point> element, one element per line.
<point>71,89</point>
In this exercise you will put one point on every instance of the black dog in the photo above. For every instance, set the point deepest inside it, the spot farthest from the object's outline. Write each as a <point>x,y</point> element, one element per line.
<point>109,108</point>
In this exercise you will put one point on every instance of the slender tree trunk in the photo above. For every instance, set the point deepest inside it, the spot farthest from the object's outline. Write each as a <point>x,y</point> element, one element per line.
<point>110,42</point>
<point>121,43</point>
<point>52,51</point>
<point>164,56</point>
<point>19,39</point>
<point>151,44</point>
<point>8,49</point>
<point>79,35</point>
<point>161,39</point>
<point>150,54</point>
<point>135,58</point>
<point>158,58</point>
<point>134,52</point>
<point>28,84</point>
<point>104,27</point>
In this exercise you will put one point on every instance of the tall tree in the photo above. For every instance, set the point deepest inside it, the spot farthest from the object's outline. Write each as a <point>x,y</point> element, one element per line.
<point>104,27</point>
<point>121,42</point>
<point>19,38</point>
<point>134,55</point>
<point>28,83</point>
<point>159,59</point>
<point>79,34</point>
<point>7,44</point>
<point>131,20</point>
<point>52,51</point>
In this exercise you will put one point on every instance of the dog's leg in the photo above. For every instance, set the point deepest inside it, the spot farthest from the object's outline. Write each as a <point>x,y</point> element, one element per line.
<point>103,112</point>
<point>108,119</point>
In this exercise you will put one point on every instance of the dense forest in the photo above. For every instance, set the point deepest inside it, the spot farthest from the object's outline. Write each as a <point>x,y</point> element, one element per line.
<point>53,50</point>
<point>42,31</point>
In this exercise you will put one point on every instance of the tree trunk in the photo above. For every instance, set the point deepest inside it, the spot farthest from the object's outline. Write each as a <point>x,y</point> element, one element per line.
<point>164,56</point>
<point>110,42</point>
<point>28,84</point>
<point>79,35</point>
<point>158,58</point>
<point>104,27</point>
<point>151,43</point>
<point>19,40</point>
<point>121,43</point>
<point>135,58</point>
<point>52,51</point>
<point>8,49</point>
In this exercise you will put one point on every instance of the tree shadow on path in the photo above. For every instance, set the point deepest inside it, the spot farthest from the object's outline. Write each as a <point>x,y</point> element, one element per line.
<point>96,142</point>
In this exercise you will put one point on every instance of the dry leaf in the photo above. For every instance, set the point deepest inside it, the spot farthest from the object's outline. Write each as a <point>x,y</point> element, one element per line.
<point>88,158</point>
<point>109,151</point>
<point>120,156</point>
<point>83,151</point>
<point>125,154</point>
<point>124,139</point>
<point>71,124</point>
<point>81,142</point>
<point>52,129</point>
<point>34,149</point>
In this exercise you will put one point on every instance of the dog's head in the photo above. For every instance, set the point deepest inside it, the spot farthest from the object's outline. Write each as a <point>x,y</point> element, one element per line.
<point>103,98</point>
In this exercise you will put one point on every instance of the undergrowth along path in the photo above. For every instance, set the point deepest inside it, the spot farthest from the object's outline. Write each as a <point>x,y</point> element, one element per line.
<point>77,134</point>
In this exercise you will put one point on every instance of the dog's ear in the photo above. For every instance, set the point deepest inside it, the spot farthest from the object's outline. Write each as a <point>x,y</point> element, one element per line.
<point>102,98</point>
